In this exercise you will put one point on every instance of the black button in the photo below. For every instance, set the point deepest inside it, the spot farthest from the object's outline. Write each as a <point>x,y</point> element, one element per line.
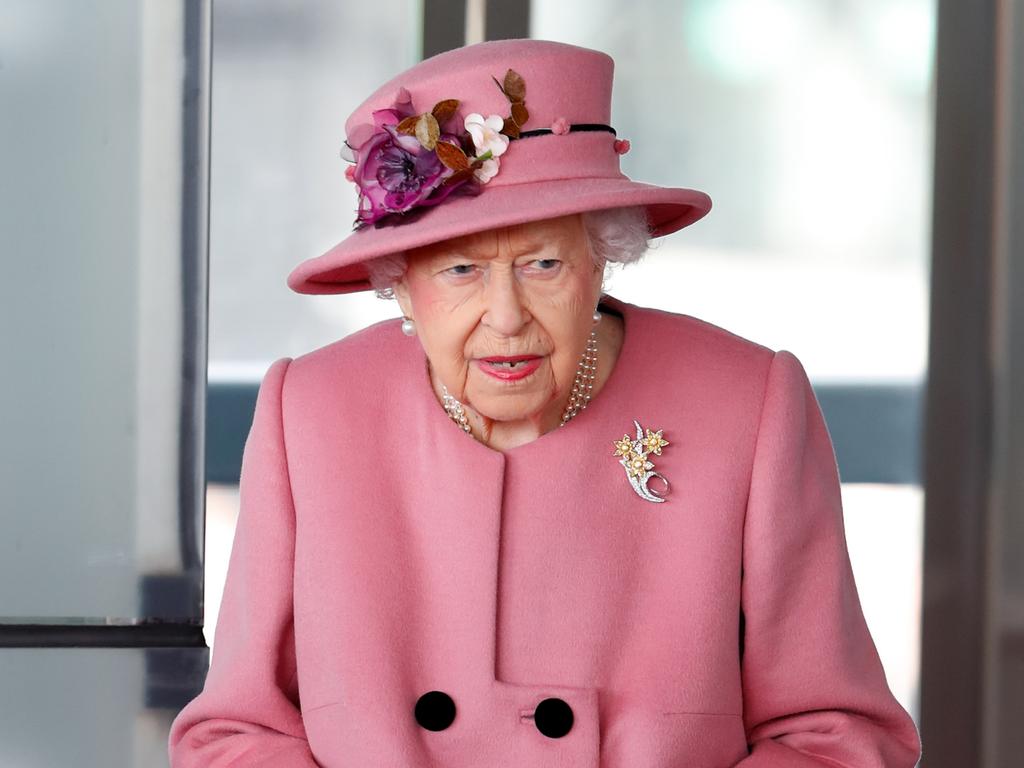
<point>435,710</point>
<point>553,718</point>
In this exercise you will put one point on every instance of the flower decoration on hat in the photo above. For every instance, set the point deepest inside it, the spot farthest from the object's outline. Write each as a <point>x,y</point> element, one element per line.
<point>406,162</point>
<point>488,139</point>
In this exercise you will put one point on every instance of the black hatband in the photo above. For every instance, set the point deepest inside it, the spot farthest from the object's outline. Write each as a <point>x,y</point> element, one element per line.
<point>574,127</point>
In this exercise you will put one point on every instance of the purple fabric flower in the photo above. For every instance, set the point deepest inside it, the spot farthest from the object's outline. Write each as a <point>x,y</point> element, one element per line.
<point>394,172</point>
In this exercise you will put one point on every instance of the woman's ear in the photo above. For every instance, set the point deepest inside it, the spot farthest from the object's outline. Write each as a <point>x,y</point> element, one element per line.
<point>401,291</point>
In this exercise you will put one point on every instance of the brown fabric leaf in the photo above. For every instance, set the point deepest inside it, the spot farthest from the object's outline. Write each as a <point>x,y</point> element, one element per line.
<point>452,156</point>
<point>458,175</point>
<point>443,110</point>
<point>408,126</point>
<point>427,130</point>
<point>510,128</point>
<point>519,113</point>
<point>515,86</point>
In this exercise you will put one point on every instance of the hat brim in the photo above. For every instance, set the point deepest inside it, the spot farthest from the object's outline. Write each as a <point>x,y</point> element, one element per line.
<point>342,270</point>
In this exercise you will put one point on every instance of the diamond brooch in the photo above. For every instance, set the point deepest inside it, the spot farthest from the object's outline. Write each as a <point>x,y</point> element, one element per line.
<point>634,458</point>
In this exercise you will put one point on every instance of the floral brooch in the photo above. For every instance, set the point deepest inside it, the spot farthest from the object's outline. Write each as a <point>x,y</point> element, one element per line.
<point>634,458</point>
<point>406,160</point>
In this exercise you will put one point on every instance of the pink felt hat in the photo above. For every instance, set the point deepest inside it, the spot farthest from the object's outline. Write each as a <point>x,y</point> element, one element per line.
<point>555,154</point>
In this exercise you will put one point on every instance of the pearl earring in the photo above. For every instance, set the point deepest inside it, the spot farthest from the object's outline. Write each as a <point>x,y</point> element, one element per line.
<point>597,318</point>
<point>408,327</point>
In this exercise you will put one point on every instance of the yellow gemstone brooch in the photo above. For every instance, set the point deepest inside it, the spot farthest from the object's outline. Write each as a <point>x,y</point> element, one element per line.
<point>639,469</point>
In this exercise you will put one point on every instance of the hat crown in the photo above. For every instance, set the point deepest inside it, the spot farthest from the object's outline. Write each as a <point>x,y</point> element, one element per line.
<point>562,81</point>
<point>564,161</point>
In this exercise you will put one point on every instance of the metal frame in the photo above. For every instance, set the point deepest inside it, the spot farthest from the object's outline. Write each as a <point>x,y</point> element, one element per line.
<point>179,595</point>
<point>972,666</point>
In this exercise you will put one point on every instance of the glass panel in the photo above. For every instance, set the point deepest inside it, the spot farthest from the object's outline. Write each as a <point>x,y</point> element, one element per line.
<point>221,516</point>
<point>285,78</point>
<point>809,124</point>
<point>94,707</point>
<point>102,311</point>
<point>885,535</point>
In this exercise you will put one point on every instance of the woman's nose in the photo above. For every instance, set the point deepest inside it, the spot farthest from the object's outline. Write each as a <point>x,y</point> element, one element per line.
<point>504,313</point>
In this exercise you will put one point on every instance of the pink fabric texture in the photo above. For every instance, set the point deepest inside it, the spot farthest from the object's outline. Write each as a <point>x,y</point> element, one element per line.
<point>382,553</point>
<point>540,176</point>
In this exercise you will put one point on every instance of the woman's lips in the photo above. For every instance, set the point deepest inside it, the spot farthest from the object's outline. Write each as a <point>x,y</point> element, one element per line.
<point>509,368</point>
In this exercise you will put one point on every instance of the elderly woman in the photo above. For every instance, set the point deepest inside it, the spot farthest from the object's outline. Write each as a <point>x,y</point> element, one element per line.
<point>531,524</point>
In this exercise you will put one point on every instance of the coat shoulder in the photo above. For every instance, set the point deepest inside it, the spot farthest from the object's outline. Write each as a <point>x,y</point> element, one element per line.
<point>702,342</point>
<point>365,361</point>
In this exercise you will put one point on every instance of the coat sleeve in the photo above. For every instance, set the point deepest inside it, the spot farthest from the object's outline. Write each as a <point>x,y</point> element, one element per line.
<point>247,714</point>
<point>814,690</point>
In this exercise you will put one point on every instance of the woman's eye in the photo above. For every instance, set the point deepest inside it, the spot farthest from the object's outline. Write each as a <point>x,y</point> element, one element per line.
<point>460,269</point>
<point>546,265</point>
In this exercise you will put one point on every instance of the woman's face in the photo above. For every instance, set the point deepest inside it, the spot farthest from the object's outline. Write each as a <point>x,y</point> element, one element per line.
<point>528,290</point>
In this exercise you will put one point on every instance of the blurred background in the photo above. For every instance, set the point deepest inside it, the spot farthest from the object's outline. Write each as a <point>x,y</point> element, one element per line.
<point>166,163</point>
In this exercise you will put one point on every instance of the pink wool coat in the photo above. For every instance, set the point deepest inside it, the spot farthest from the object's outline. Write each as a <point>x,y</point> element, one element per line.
<point>400,595</point>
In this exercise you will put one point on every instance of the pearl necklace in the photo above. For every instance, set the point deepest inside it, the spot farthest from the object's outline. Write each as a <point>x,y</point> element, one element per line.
<point>582,388</point>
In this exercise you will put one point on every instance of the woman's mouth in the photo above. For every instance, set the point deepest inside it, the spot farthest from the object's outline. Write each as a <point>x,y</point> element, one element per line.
<point>510,368</point>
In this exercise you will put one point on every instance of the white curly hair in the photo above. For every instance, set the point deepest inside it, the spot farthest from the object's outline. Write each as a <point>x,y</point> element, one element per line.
<point>615,236</point>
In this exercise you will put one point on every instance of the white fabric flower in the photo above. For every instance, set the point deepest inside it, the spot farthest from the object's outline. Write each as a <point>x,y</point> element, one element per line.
<point>486,133</point>
<point>487,170</point>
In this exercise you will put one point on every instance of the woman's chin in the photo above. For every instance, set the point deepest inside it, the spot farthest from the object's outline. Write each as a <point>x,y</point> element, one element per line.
<point>507,408</point>
<point>508,404</point>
